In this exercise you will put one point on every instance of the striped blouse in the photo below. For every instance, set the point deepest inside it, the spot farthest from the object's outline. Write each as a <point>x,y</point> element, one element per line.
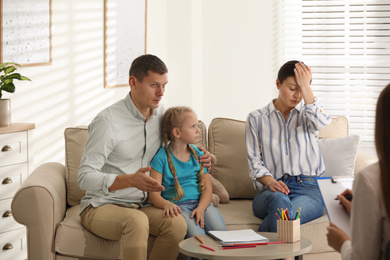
<point>276,146</point>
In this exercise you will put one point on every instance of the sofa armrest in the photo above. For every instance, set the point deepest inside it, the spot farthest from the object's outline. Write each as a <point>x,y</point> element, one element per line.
<point>363,160</point>
<point>40,204</point>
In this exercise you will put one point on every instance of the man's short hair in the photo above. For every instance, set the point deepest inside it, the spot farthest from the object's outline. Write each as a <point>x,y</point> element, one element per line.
<point>143,64</point>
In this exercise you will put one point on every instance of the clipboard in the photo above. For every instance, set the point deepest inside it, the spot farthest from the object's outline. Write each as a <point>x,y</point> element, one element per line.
<point>330,187</point>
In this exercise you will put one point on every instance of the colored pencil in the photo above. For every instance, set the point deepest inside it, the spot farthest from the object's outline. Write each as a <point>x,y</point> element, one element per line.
<point>197,238</point>
<point>237,247</point>
<point>209,248</point>
<point>259,244</point>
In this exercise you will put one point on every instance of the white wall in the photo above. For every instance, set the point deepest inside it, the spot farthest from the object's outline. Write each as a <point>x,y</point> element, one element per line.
<point>69,92</point>
<point>221,56</point>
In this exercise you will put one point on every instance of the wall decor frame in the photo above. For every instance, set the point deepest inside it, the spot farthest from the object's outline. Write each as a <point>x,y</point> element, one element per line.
<point>124,39</point>
<point>25,32</point>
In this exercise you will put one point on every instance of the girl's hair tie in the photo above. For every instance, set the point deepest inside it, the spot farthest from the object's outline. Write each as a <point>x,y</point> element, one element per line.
<point>175,177</point>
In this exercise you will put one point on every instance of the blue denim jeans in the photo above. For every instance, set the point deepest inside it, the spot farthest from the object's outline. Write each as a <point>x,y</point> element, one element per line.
<point>212,218</point>
<point>304,193</point>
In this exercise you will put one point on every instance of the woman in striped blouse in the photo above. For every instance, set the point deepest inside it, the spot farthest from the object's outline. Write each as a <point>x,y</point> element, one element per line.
<point>282,148</point>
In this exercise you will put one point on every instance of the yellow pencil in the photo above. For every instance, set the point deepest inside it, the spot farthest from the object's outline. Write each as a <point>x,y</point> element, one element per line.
<point>283,215</point>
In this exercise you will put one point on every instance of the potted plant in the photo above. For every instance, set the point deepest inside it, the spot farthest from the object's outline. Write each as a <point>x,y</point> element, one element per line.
<point>7,70</point>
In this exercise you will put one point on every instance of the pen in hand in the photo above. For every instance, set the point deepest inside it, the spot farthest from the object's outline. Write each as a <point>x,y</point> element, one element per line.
<point>348,197</point>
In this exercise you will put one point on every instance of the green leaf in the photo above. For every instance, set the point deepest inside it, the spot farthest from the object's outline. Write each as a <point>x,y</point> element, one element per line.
<point>9,69</point>
<point>10,87</point>
<point>15,76</point>
<point>24,78</point>
<point>6,81</point>
<point>4,65</point>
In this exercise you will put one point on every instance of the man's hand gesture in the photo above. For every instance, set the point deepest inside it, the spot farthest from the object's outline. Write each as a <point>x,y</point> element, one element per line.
<point>143,182</point>
<point>139,180</point>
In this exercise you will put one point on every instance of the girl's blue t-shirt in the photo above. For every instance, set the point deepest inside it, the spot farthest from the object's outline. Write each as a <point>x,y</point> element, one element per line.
<point>186,172</point>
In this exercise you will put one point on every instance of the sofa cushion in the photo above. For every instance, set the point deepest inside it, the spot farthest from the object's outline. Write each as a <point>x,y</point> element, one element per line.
<point>339,155</point>
<point>227,143</point>
<point>219,190</point>
<point>75,138</point>
<point>86,244</point>
<point>202,141</point>
<point>338,127</point>
<point>238,214</point>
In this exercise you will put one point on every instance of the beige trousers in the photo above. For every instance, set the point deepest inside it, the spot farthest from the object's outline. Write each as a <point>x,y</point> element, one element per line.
<point>132,227</point>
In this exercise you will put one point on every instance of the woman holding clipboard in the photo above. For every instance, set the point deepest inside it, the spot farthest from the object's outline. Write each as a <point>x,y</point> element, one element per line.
<point>370,207</point>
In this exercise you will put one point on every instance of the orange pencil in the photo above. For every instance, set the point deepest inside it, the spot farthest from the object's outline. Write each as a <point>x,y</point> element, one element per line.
<point>197,238</point>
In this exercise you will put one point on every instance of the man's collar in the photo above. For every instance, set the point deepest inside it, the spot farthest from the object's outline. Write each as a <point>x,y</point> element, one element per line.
<point>134,110</point>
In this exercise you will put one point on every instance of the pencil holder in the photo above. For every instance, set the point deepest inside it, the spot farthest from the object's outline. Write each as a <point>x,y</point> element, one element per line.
<point>289,231</point>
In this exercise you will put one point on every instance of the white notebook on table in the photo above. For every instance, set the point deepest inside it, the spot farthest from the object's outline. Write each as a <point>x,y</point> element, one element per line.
<point>243,236</point>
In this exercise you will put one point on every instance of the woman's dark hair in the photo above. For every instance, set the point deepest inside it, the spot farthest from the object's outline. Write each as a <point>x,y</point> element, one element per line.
<point>382,143</point>
<point>143,64</point>
<point>287,70</point>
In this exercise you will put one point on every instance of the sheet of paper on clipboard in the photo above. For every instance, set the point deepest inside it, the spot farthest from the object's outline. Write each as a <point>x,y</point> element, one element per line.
<point>330,187</point>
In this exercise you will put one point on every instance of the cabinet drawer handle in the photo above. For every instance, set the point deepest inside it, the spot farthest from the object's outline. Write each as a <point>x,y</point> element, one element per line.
<point>6,148</point>
<point>8,246</point>
<point>7,180</point>
<point>7,214</point>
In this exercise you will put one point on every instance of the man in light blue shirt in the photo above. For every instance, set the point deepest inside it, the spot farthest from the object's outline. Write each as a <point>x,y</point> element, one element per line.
<point>114,169</point>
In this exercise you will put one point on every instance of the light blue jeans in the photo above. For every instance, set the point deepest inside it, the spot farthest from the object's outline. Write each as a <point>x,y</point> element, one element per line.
<point>212,218</point>
<point>304,193</point>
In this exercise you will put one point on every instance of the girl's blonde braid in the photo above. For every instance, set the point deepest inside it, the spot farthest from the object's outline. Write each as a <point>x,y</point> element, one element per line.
<point>170,122</point>
<point>201,179</point>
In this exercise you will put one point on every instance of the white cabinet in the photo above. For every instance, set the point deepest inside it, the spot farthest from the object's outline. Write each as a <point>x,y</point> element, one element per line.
<point>15,165</point>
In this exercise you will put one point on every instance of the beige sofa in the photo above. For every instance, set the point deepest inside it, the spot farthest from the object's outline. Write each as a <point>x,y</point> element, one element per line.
<point>48,201</point>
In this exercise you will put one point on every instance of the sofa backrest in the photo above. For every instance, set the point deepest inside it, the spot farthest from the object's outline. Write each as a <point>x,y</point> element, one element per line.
<point>338,127</point>
<point>75,139</point>
<point>227,143</point>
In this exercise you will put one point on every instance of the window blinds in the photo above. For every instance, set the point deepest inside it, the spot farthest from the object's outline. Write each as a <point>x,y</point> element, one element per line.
<point>347,46</point>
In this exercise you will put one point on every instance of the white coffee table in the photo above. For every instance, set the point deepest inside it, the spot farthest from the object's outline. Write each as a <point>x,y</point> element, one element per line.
<point>190,247</point>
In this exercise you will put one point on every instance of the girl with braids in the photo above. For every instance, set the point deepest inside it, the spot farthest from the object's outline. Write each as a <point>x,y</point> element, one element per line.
<point>370,207</point>
<point>187,184</point>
